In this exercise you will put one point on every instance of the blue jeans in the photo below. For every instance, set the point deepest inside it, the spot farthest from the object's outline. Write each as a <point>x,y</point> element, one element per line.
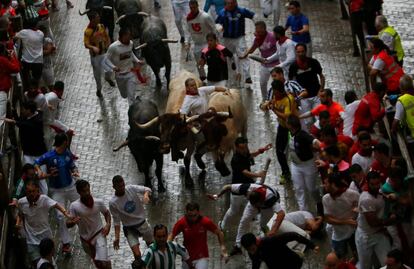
<point>341,247</point>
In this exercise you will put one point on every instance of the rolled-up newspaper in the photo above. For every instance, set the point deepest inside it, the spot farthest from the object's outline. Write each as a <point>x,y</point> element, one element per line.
<point>267,164</point>
<point>257,58</point>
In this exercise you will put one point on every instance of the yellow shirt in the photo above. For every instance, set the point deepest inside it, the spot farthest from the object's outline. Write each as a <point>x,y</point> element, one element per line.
<point>286,105</point>
<point>97,37</point>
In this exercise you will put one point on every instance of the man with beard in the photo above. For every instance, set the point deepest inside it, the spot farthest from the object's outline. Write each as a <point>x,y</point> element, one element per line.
<point>127,207</point>
<point>85,213</point>
<point>364,157</point>
<point>194,228</point>
<point>370,234</point>
<point>242,179</point>
<point>327,104</point>
<point>34,214</point>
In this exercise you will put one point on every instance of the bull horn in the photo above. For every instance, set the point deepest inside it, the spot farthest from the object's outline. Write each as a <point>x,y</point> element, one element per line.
<point>83,13</point>
<point>147,124</point>
<point>166,40</point>
<point>152,137</point>
<point>141,46</point>
<point>107,7</point>
<point>192,118</point>
<point>142,13</point>
<point>120,18</point>
<point>223,114</point>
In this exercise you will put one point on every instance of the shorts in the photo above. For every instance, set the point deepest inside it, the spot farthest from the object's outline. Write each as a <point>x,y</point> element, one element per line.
<point>133,233</point>
<point>96,248</point>
<point>33,251</point>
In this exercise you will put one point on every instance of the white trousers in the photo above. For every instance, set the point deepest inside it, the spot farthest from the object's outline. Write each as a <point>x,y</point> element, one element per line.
<point>127,85</point>
<point>308,104</point>
<point>269,7</point>
<point>42,182</point>
<point>198,264</point>
<point>64,197</point>
<point>304,177</point>
<point>99,67</point>
<point>237,205</point>
<point>48,75</point>
<point>181,11</point>
<point>197,56</point>
<point>367,245</point>
<point>3,106</point>
<point>264,80</point>
<point>250,212</point>
<point>238,47</point>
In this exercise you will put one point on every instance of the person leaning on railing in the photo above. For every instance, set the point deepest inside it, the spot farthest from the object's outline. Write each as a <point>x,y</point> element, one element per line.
<point>405,105</point>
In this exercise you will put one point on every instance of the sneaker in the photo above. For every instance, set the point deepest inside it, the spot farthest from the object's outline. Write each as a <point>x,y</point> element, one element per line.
<point>284,178</point>
<point>248,81</point>
<point>236,251</point>
<point>182,40</point>
<point>157,5</point>
<point>66,249</point>
<point>110,82</point>
<point>99,94</point>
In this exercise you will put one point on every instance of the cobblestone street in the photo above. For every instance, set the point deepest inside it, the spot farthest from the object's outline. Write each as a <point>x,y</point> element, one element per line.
<point>101,125</point>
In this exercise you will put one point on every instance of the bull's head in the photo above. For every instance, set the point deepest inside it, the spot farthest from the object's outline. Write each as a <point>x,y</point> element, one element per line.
<point>172,128</point>
<point>213,127</point>
<point>133,22</point>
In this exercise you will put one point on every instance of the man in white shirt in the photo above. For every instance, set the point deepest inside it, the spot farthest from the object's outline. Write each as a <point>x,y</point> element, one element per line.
<point>127,207</point>
<point>340,204</point>
<point>32,54</point>
<point>121,59</point>
<point>86,213</point>
<point>364,157</point>
<point>369,236</point>
<point>34,214</point>
<point>285,52</point>
<point>181,9</point>
<point>348,114</point>
<point>395,260</point>
<point>305,220</point>
<point>196,99</point>
<point>199,24</point>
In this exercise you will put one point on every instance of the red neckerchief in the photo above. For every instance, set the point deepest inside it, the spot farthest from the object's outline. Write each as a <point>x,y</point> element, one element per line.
<point>192,16</point>
<point>33,94</point>
<point>227,9</point>
<point>260,39</point>
<point>262,193</point>
<point>302,64</point>
<point>189,93</point>
<point>282,39</point>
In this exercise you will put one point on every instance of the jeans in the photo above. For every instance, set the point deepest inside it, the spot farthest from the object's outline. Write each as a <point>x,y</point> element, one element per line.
<point>282,139</point>
<point>341,247</point>
<point>181,11</point>
<point>368,244</point>
<point>127,85</point>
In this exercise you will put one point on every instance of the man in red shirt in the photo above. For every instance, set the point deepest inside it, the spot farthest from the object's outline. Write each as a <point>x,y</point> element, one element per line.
<point>333,262</point>
<point>327,104</point>
<point>9,65</point>
<point>369,110</point>
<point>382,160</point>
<point>194,228</point>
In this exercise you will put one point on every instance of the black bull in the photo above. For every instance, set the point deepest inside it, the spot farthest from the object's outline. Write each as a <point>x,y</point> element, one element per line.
<point>144,144</point>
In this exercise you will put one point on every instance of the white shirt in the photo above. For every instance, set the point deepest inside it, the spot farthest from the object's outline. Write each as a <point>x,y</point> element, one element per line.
<point>348,116</point>
<point>53,103</point>
<point>364,162</point>
<point>243,189</point>
<point>197,104</point>
<point>341,208</point>
<point>42,261</point>
<point>399,111</point>
<point>299,218</point>
<point>90,218</point>
<point>200,26</point>
<point>121,56</point>
<point>128,208</point>
<point>36,218</point>
<point>32,42</point>
<point>286,55</point>
<point>368,203</point>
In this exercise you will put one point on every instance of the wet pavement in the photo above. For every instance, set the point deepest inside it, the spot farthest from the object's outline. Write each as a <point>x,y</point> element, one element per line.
<point>102,125</point>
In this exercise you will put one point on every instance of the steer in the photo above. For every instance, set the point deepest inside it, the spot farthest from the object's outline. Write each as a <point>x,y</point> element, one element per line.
<point>144,143</point>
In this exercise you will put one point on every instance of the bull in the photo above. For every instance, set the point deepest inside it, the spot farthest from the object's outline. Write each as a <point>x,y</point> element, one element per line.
<point>144,143</point>
<point>105,9</point>
<point>130,16</point>
<point>220,128</point>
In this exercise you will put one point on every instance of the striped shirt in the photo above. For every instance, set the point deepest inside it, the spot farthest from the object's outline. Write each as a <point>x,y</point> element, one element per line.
<point>233,21</point>
<point>291,86</point>
<point>157,259</point>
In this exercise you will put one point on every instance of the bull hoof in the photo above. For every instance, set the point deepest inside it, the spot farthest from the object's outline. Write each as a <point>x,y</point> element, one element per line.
<point>222,168</point>
<point>199,161</point>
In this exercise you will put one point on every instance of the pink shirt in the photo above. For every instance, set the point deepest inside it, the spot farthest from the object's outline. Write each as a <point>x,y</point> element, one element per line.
<point>267,48</point>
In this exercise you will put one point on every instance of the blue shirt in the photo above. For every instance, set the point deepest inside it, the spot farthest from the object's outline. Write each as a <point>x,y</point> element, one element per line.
<point>296,23</point>
<point>63,162</point>
<point>233,22</point>
<point>219,4</point>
